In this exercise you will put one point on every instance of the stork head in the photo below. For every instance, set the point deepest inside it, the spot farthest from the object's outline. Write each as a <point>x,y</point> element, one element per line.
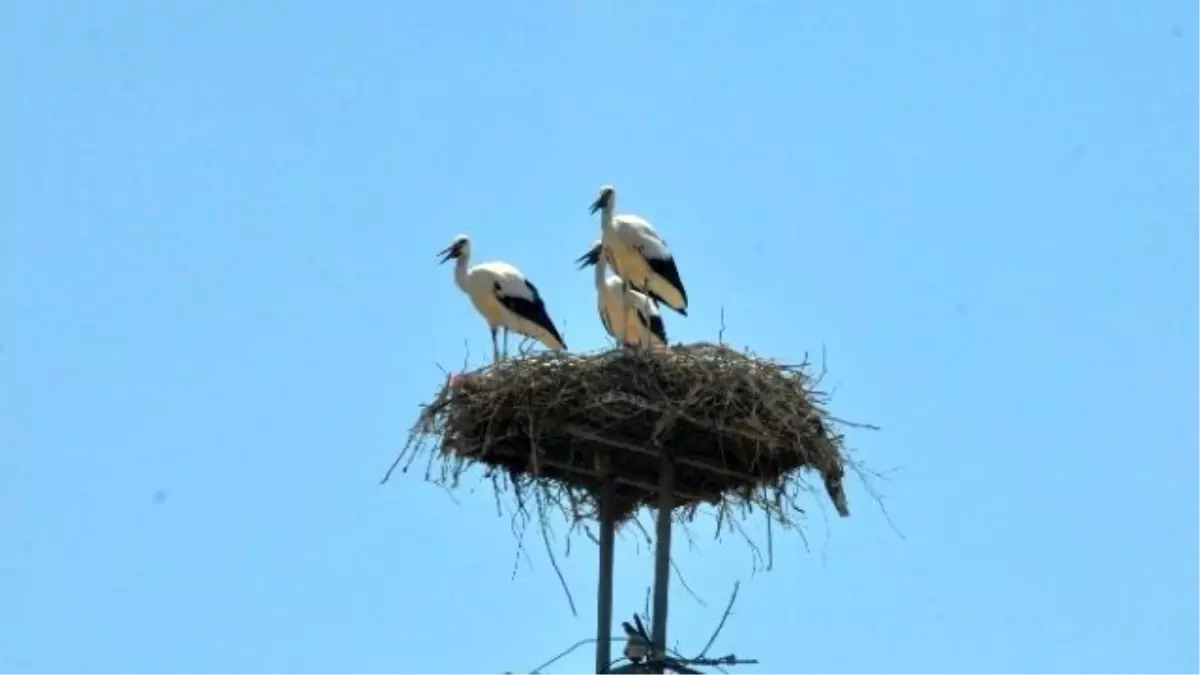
<point>460,247</point>
<point>591,257</point>
<point>604,199</point>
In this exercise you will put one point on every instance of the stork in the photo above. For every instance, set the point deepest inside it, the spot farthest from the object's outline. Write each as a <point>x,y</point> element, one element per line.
<point>639,256</point>
<point>643,326</point>
<point>503,296</point>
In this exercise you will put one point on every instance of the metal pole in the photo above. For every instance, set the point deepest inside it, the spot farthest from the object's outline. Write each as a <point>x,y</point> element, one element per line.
<point>662,556</point>
<point>604,599</point>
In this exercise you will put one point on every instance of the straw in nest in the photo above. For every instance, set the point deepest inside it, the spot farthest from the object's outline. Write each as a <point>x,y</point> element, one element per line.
<point>740,429</point>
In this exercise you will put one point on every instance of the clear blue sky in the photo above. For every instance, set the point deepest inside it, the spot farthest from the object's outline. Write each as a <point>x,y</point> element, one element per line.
<point>218,223</point>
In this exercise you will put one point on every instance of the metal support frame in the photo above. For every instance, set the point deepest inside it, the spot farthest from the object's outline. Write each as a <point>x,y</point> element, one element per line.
<point>604,596</point>
<point>662,556</point>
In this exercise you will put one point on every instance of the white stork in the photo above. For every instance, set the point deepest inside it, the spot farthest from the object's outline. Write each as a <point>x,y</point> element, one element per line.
<point>639,256</point>
<point>504,297</point>
<point>643,326</point>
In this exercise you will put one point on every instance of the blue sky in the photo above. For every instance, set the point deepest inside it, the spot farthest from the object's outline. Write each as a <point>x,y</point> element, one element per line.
<point>218,286</point>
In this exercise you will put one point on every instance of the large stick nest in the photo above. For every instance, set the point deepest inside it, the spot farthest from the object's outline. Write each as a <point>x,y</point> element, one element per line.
<point>740,429</point>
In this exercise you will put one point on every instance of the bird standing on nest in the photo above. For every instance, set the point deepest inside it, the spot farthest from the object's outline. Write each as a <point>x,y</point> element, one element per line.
<point>639,256</point>
<point>643,325</point>
<point>503,296</point>
<point>637,643</point>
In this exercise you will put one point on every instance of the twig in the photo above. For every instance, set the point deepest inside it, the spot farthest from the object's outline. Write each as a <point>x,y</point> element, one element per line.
<point>520,550</point>
<point>683,582</point>
<point>756,554</point>
<point>853,425</point>
<point>727,660</point>
<point>641,527</point>
<point>770,544</point>
<point>824,364</point>
<point>391,468</point>
<point>562,654</point>
<point>724,617</point>
<point>554,560</point>
<point>878,497</point>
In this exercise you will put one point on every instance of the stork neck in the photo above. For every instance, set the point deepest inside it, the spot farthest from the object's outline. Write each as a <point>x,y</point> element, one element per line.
<point>601,270</point>
<point>460,271</point>
<point>606,216</point>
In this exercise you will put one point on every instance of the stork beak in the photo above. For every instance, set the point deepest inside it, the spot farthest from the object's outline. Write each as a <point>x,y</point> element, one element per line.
<point>596,205</point>
<point>446,255</point>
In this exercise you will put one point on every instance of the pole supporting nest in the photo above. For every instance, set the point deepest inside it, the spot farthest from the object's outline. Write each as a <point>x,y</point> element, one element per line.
<point>662,556</point>
<point>604,599</point>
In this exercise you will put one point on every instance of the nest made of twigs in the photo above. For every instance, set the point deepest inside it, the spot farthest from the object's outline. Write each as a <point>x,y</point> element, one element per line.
<point>738,428</point>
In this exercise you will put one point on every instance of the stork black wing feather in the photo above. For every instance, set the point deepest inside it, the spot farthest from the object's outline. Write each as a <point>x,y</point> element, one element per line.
<point>658,328</point>
<point>654,324</point>
<point>531,310</point>
<point>665,268</point>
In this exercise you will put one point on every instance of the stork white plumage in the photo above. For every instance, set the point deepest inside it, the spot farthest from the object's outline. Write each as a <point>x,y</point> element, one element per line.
<point>503,296</point>
<point>642,325</point>
<point>639,255</point>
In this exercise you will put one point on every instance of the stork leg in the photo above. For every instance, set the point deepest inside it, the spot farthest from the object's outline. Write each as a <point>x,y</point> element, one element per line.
<point>629,304</point>
<point>625,307</point>
<point>495,348</point>
<point>506,342</point>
